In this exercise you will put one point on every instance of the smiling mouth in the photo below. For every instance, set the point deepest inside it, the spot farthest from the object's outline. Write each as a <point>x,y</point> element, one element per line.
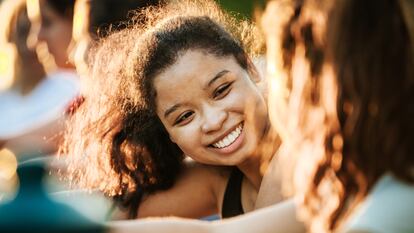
<point>229,139</point>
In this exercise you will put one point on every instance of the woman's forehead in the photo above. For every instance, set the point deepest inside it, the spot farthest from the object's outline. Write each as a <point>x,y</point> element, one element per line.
<point>195,66</point>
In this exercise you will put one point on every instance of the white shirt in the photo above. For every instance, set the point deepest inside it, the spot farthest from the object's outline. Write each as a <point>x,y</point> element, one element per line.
<point>22,115</point>
<point>389,207</point>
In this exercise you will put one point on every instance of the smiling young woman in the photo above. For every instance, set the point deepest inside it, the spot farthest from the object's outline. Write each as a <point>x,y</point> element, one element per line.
<point>182,84</point>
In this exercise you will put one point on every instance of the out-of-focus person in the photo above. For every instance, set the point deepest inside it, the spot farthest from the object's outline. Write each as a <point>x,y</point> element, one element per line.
<point>33,104</point>
<point>351,64</point>
<point>52,23</point>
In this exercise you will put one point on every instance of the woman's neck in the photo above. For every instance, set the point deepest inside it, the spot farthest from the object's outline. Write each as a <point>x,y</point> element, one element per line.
<point>251,170</point>
<point>255,166</point>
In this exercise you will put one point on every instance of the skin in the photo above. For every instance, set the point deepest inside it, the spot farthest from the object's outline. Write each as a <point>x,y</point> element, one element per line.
<point>276,218</point>
<point>213,96</point>
<point>80,36</point>
<point>56,31</point>
<point>206,98</point>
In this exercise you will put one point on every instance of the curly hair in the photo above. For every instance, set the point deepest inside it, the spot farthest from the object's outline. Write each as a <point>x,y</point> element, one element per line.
<point>365,103</point>
<point>115,141</point>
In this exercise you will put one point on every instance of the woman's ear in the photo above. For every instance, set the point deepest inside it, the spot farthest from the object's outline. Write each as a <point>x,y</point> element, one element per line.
<point>254,73</point>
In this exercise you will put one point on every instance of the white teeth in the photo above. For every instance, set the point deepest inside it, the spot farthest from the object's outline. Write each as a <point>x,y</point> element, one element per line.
<point>230,138</point>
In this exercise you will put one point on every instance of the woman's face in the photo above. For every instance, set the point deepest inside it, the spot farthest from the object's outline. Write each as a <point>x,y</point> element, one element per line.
<point>56,31</point>
<point>211,108</point>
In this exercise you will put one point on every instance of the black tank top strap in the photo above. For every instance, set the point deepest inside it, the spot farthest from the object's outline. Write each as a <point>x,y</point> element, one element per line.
<point>232,205</point>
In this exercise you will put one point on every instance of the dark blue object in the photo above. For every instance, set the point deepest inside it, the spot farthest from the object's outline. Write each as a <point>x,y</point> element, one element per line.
<point>33,211</point>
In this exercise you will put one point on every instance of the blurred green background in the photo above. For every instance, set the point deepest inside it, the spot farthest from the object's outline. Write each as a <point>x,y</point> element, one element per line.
<point>242,8</point>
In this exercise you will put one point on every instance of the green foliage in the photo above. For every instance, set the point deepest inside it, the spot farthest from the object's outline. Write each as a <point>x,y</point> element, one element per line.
<point>241,8</point>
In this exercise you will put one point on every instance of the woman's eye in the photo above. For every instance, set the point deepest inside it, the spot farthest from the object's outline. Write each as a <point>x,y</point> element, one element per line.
<point>183,117</point>
<point>222,90</point>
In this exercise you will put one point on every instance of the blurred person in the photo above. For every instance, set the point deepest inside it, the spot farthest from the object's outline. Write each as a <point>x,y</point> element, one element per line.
<point>51,35</point>
<point>32,113</point>
<point>52,23</point>
<point>34,104</point>
<point>351,65</point>
<point>103,16</point>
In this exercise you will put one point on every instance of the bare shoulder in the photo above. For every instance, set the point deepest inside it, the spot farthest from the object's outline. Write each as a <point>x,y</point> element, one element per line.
<point>197,184</point>
<point>215,177</point>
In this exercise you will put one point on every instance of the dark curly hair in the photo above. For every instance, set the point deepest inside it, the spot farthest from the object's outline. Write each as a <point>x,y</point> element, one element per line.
<point>368,130</point>
<point>115,141</point>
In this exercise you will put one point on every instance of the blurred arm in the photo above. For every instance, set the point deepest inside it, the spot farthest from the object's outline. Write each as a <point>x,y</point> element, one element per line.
<point>277,218</point>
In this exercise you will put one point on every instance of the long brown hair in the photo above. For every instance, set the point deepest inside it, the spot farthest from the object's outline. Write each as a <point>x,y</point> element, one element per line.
<point>362,92</point>
<point>115,141</point>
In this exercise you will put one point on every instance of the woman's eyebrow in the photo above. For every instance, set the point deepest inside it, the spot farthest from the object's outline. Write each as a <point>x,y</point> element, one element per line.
<point>171,110</point>
<point>216,77</point>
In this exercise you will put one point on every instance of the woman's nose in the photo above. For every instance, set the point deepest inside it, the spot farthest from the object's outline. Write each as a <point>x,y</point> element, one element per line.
<point>213,119</point>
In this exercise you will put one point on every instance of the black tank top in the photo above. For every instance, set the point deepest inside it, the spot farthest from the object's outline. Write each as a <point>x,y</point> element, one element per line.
<point>232,205</point>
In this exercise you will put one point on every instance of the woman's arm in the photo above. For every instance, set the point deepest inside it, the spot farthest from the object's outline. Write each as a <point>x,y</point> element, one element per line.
<point>277,218</point>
